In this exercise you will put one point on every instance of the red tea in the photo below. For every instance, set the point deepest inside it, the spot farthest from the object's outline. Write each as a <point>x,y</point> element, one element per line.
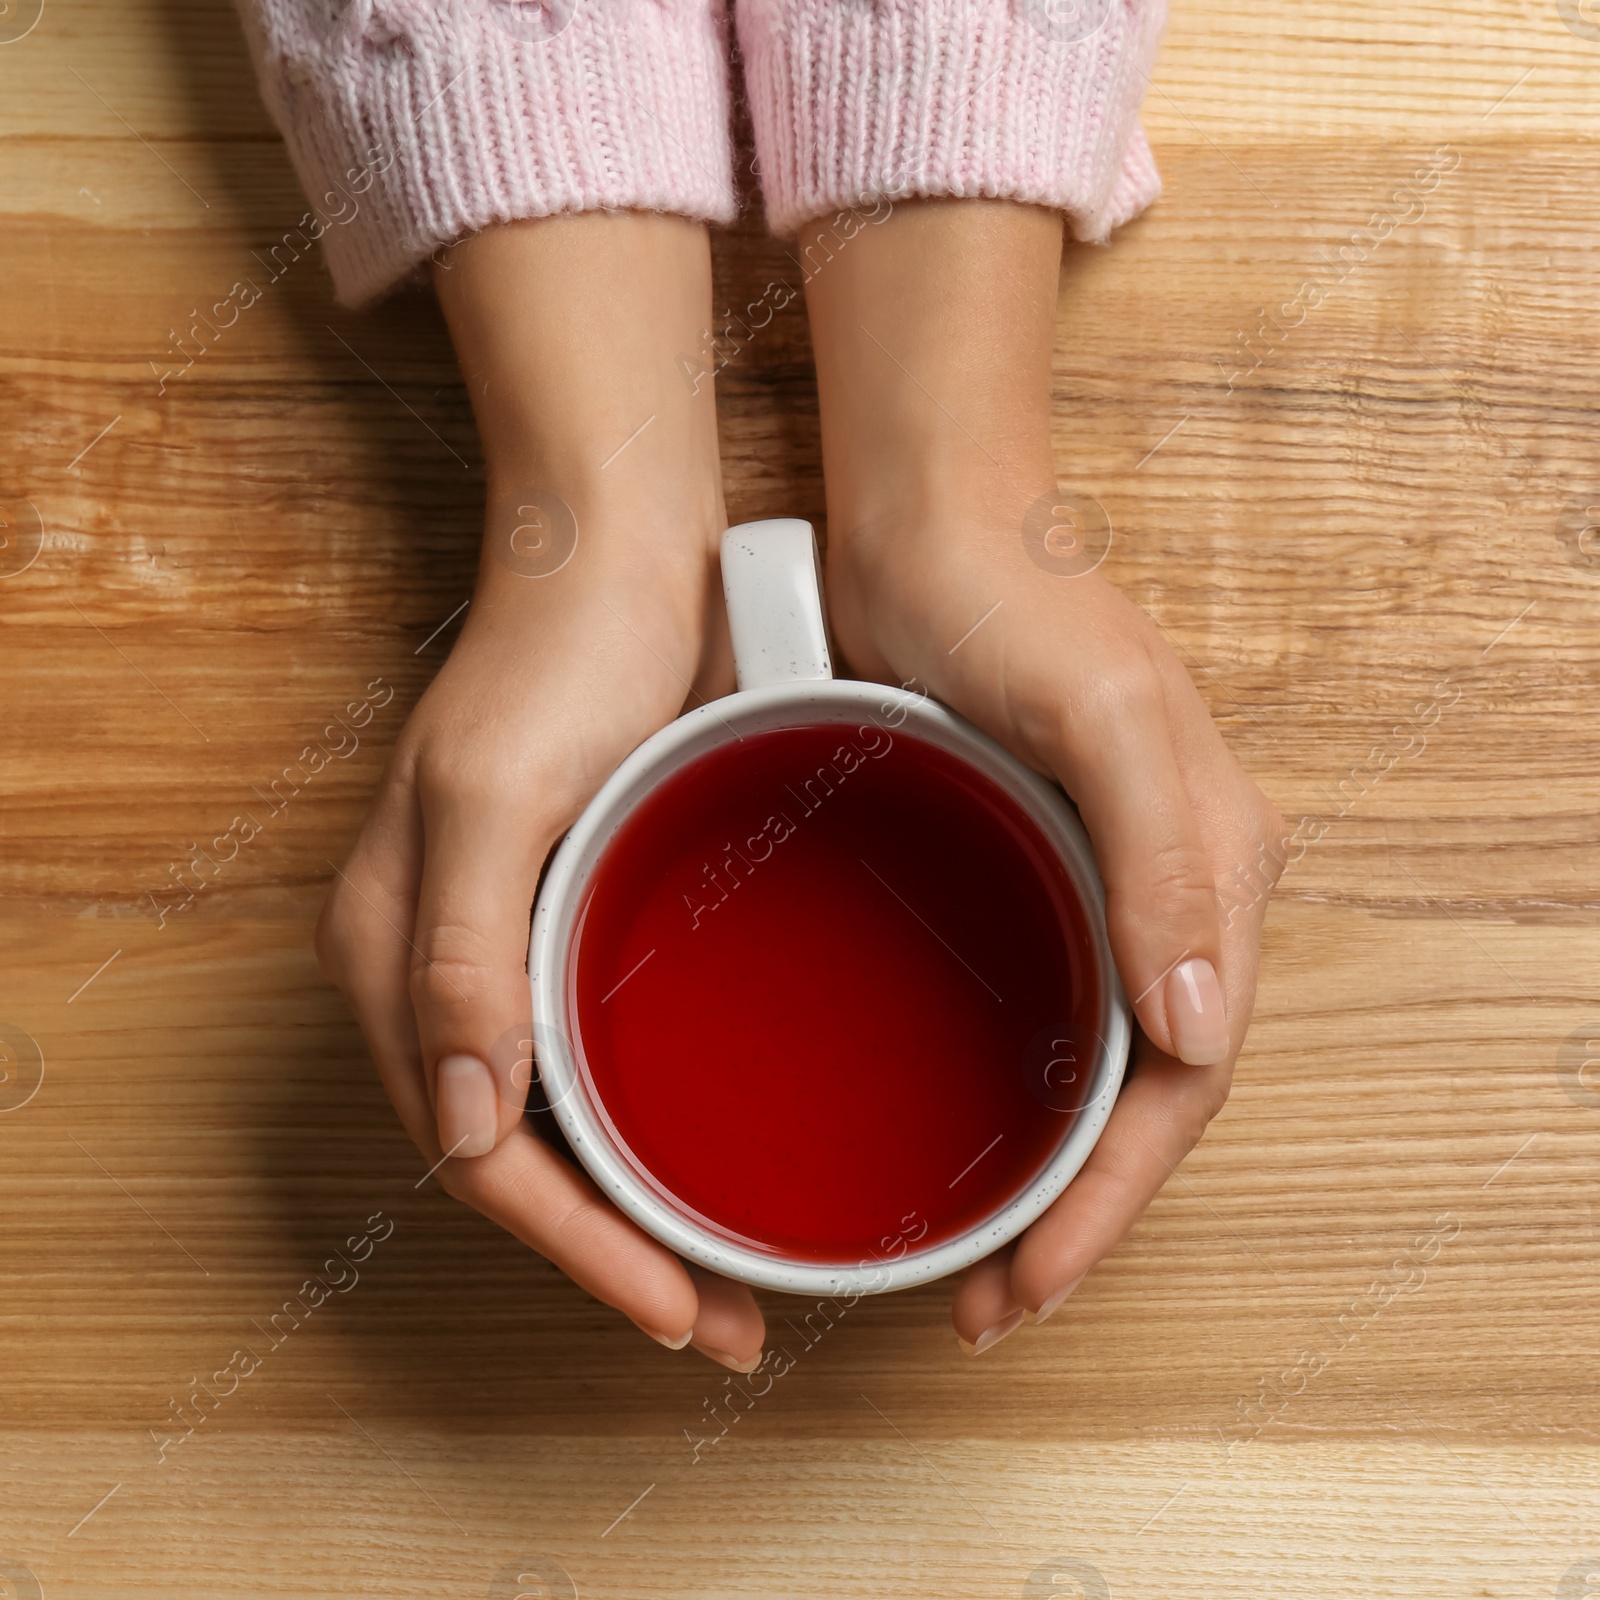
<point>828,981</point>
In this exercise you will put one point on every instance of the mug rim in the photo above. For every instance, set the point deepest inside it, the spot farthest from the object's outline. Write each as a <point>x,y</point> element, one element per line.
<point>557,919</point>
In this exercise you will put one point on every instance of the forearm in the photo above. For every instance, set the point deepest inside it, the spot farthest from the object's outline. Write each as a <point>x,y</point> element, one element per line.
<point>933,335</point>
<point>569,330</point>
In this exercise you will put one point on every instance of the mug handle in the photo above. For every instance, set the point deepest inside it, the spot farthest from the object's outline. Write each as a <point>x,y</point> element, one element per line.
<point>772,581</point>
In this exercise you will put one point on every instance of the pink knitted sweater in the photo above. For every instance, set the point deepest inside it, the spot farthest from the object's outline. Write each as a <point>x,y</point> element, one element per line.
<point>415,122</point>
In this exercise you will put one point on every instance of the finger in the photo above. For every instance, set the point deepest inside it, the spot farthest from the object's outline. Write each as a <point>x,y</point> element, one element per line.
<point>469,971</point>
<point>1161,1114</point>
<point>1250,841</point>
<point>363,943</point>
<point>1112,749</point>
<point>985,1309</point>
<point>1158,1119</point>
<point>729,1327</point>
<point>557,1210</point>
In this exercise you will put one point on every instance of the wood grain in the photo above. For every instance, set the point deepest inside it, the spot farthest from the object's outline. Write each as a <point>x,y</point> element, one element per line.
<point>1379,500</point>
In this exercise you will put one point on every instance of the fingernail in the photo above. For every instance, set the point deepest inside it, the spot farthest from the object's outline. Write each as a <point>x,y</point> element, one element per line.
<point>988,1339</point>
<point>468,1108</point>
<point>733,1363</point>
<point>1196,1013</point>
<point>671,1344</point>
<point>1053,1302</point>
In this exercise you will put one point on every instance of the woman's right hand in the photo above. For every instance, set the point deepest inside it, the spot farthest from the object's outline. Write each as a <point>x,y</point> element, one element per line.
<point>934,336</point>
<point>597,616</point>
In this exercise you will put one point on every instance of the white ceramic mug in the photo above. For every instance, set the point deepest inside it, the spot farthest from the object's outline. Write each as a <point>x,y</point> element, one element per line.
<point>773,586</point>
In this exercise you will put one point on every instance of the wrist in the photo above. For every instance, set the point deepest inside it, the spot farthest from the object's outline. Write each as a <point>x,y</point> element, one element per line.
<point>899,503</point>
<point>661,495</point>
<point>544,549</point>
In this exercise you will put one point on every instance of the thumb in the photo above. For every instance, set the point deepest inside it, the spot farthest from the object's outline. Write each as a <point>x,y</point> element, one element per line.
<point>1116,760</point>
<point>469,966</point>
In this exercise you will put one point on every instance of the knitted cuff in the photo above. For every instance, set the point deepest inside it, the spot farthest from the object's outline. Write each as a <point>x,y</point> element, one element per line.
<point>1033,100</point>
<point>413,123</point>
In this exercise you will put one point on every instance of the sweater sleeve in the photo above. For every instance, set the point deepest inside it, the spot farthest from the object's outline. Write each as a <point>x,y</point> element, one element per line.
<point>413,123</point>
<point>1032,100</point>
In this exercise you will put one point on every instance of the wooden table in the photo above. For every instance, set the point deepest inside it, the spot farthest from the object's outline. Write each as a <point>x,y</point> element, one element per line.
<point>1351,1349</point>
